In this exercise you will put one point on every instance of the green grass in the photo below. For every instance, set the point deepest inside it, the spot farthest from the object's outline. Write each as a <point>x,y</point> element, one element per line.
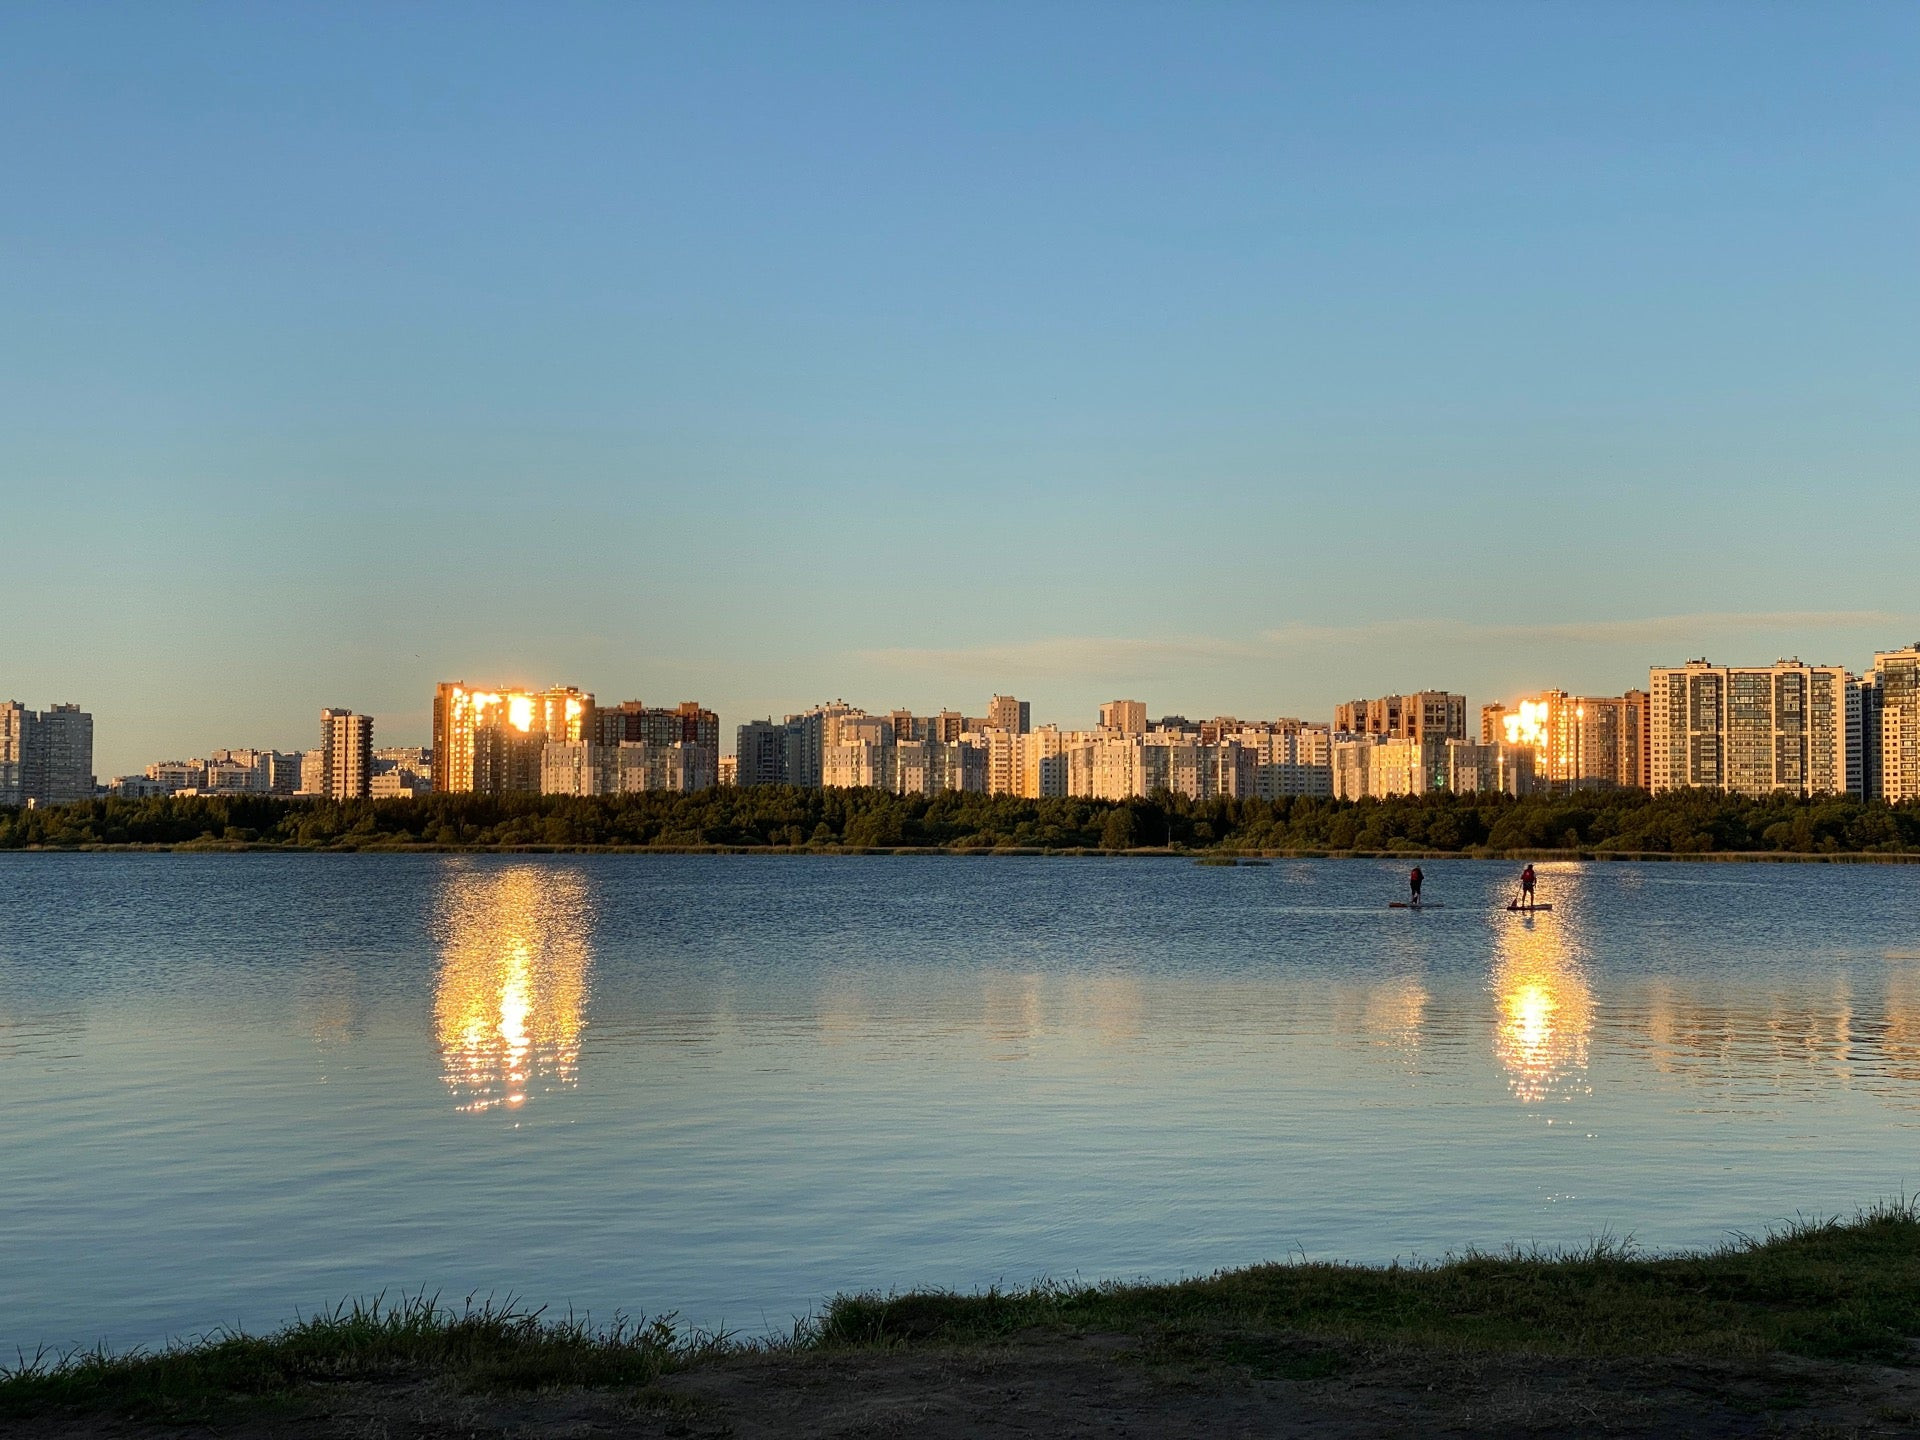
<point>480,1347</point>
<point>1842,1290</point>
<point>1836,1290</point>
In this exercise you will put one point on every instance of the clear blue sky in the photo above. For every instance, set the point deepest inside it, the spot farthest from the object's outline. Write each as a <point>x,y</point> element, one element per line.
<point>1233,357</point>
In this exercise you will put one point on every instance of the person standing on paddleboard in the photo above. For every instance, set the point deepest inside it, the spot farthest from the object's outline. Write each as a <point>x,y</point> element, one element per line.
<point>1526,883</point>
<point>1413,881</point>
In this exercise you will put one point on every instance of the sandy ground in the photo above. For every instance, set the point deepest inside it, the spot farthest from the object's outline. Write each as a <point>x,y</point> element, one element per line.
<point>1108,1386</point>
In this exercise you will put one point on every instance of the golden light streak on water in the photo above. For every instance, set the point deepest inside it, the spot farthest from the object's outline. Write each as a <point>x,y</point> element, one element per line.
<point>1543,1010</point>
<point>510,998</point>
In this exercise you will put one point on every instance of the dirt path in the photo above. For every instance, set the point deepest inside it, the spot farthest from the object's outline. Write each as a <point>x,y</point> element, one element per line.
<point>1111,1386</point>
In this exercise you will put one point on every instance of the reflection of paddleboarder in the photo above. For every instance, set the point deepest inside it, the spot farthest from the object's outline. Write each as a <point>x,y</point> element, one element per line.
<point>1413,882</point>
<point>1526,884</point>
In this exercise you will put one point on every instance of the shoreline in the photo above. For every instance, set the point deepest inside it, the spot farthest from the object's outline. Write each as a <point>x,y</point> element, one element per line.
<point>1814,1326</point>
<point>239,847</point>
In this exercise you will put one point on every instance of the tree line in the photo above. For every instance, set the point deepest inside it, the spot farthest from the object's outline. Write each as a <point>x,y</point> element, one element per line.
<point>1679,823</point>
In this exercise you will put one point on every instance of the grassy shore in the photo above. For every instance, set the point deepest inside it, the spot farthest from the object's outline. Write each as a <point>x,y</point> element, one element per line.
<point>1832,1291</point>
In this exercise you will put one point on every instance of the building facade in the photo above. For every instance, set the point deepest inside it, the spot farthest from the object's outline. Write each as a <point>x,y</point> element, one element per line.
<point>1751,730</point>
<point>489,742</point>
<point>1579,742</point>
<point>1890,726</point>
<point>1422,715</point>
<point>346,755</point>
<point>1006,713</point>
<point>46,757</point>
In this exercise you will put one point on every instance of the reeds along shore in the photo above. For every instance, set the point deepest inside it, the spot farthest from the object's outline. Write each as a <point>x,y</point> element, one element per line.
<point>1617,823</point>
<point>1830,1290</point>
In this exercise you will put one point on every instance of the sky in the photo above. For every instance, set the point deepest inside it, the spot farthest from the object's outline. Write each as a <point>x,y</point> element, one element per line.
<point>1237,358</point>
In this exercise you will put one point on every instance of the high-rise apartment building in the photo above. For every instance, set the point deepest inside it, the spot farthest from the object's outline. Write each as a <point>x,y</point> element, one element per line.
<point>760,753</point>
<point>1006,713</point>
<point>1752,730</point>
<point>346,754</point>
<point>46,758</point>
<point>1422,715</point>
<point>13,753</point>
<point>617,730</point>
<point>1579,742</point>
<point>631,722</point>
<point>1380,766</point>
<point>1489,766</point>
<point>489,742</point>
<point>1127,717</point>
<point>1890,726</point>
<point>807,735</point>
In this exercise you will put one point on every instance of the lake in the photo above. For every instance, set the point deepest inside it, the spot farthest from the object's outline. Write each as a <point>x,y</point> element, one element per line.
<point>243,1086</point>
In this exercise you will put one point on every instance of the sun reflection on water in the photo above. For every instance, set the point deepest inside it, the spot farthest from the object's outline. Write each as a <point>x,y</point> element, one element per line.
<point>1544,1011</point>
<point>510,999</point>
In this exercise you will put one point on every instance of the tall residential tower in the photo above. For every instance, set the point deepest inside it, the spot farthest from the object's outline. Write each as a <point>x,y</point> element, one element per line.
<point>1752,730</point>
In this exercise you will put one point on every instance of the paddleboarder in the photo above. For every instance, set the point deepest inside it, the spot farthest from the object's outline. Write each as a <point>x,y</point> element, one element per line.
<point>1526,884</point>
<point>1413,882</point>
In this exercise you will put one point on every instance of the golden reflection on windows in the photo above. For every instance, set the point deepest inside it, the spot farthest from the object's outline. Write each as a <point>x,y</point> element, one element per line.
<point>510,999</point>
<point>1544,1011</point>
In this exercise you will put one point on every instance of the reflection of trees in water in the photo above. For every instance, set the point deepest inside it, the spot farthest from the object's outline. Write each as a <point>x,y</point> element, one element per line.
<point>1543,1011</point>
<point>510,999</point>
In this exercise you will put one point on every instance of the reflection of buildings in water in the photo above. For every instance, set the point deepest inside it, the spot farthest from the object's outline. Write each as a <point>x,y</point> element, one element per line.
<point>327,1006</point>
<point>1900,1040</point>
<point>1544,1011</point>
<point>1109,1008</point>
<point>1394,1013</point>
<point>510,1000</point>
<point>1101,1010</point>
<point>1762,1045</point>
<point>1010,1013</point>
<point>1886,1047</point>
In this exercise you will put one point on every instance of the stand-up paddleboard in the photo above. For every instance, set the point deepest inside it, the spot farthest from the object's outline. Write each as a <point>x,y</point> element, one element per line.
<point>1409,905</point>
<point>1518,908</point>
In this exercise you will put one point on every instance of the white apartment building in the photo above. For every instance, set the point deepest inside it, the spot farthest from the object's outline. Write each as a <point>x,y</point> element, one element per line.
<point>1378,767</point>
<point>46,757</point>
<point>13,753</point>
<point>1891,726</point>
<point>1490,766</point>
<point>346,754</point>
<point>1752,730</point>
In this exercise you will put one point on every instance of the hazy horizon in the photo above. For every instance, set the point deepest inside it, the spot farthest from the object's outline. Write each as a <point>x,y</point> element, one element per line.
<point>1231,359</point>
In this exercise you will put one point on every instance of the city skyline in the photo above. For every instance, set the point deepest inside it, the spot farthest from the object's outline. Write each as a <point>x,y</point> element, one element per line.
<point>117,750</point>
<point>1637,739</point>
<point>1067,350</point>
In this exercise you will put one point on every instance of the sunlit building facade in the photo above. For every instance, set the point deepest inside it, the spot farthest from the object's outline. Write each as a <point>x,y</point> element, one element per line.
<point>346,751</point>
<point>1489,767</point>
<point>1422,715</point>
<point>1006,713</point>
<point>1579,742</point>
<point>488,742</point>
<point>46,757</point>
<point>1890,726</point>
<point>13,753</point>
<point>1752,730</point>
<point>1379,767</point>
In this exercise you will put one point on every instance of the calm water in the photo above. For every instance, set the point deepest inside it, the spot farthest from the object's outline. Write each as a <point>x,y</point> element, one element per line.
<point>238,1086</point>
